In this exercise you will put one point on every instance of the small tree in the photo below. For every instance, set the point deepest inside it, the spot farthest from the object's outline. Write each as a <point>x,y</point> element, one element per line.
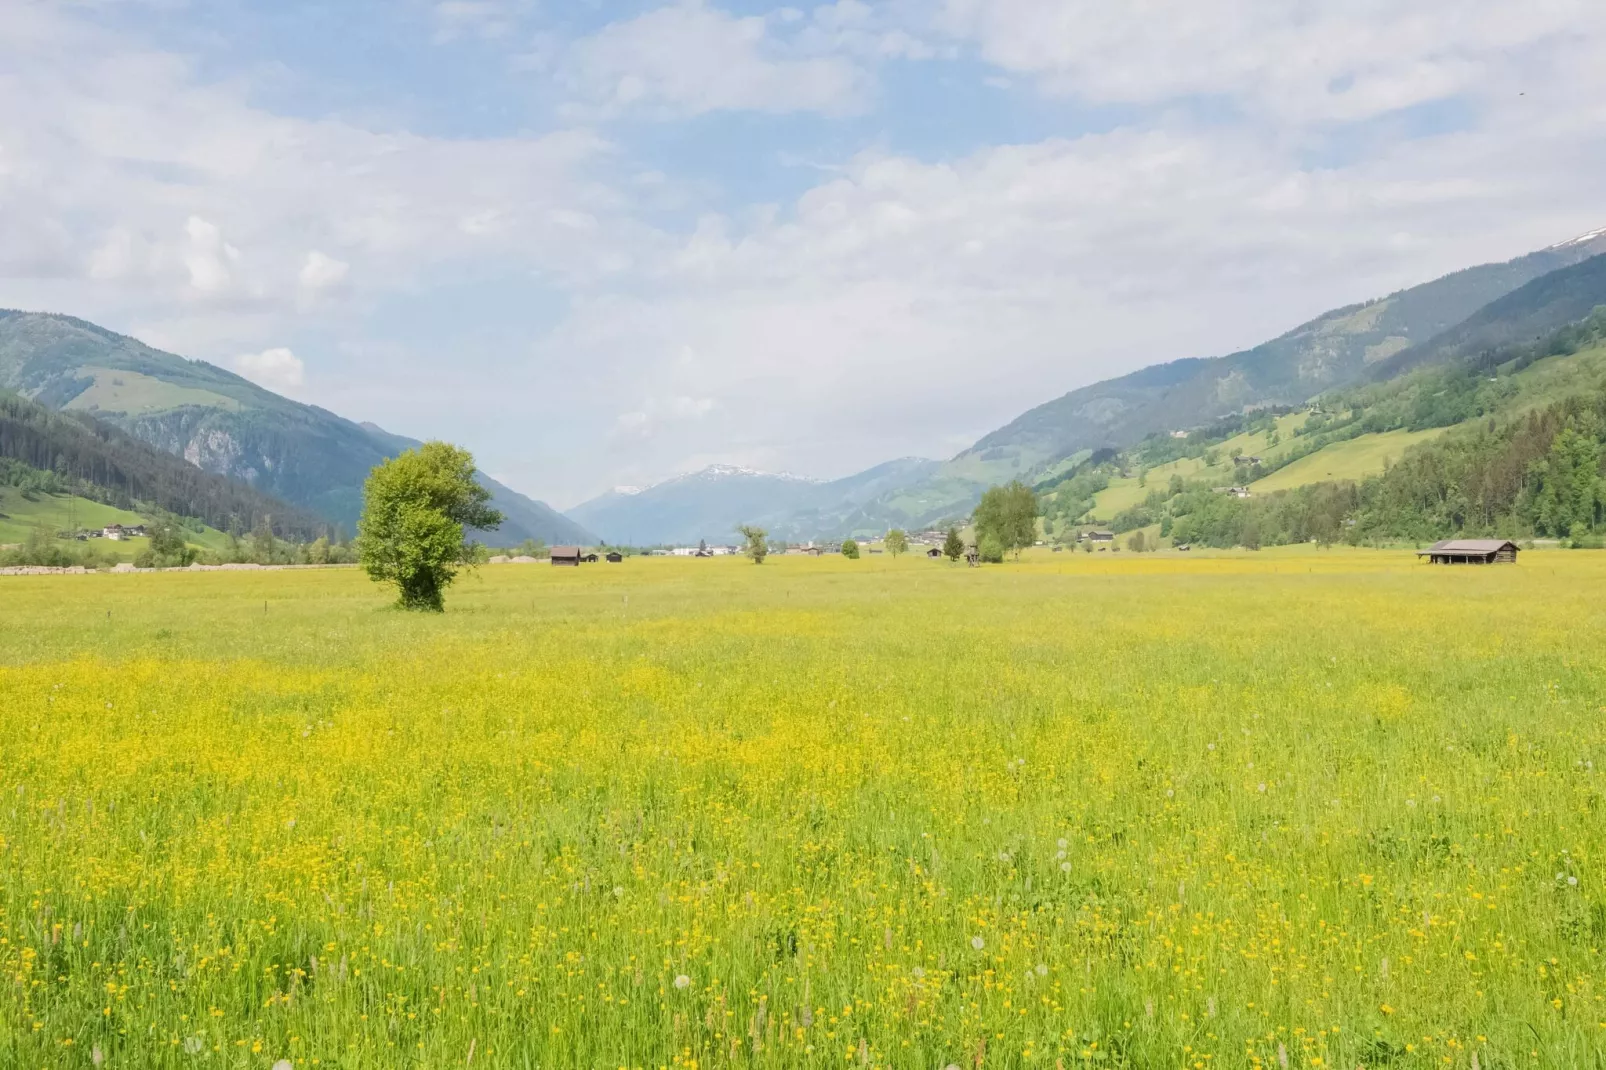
<point>168,548</point>
<point>263,545</point>
<point>1009,515</point>
<point>1137,543</point>
<point>953,547</point>
<point>415,508</point>
<point>850,549</point>
<point>758,547</point>
<point>896,542</point>
<point>990,549</point>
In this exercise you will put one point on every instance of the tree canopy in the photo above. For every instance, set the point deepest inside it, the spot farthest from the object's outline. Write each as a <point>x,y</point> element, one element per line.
<point>415,508</point>
<point>896,542</point>
<point>953,547</point>
<point>1008,514</point>
<point>757,546</point>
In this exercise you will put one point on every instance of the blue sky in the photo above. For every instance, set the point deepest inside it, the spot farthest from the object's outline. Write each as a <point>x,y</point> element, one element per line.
<point>605,243</point>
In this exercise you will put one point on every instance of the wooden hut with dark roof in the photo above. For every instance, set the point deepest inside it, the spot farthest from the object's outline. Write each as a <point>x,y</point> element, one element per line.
<point>1471,552</point>
<point>566,556</point>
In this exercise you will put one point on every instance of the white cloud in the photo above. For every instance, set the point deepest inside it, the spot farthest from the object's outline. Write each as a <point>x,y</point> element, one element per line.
<point>903,303</point>
<point>277,369</point>
<point>322,273</point>
<point>689,58</point>
<point>1294,60</point>
<point>487,19</point>
<point>207,257</point>
<point>657,413</point>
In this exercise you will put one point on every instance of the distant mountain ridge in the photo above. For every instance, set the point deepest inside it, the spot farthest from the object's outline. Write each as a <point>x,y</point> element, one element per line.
<point>709,504</point>
<point>223,423</point>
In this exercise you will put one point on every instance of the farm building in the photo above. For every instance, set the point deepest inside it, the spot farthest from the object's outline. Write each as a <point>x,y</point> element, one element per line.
<point>1471,552</point>
<point>614,557</point>
<point>589,559</point>
<point>934,552</point>
<point>566,555</point>
<point>1099,536</point>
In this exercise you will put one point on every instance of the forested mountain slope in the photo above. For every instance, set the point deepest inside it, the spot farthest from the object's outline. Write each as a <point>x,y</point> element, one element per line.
<point>1335,349</point>
<point>221,422</point>
<point>83,456</point>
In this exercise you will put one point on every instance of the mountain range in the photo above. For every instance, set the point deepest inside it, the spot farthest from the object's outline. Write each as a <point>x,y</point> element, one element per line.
<point>708,505</point>
<point>225,424</point>
<point>1477,308</point>
<point>317,461</point>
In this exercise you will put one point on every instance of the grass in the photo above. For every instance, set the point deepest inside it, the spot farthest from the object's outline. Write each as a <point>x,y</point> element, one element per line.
<point>1125,492</point>
<point>119,390</point>
<point>1297,807</point>
<point>21,514</point>
<point>1354,459</point>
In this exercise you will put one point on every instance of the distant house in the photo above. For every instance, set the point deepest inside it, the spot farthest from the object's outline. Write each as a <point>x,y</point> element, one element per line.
<point>934,552</point>
<point>1184,547</point>
<point>812,551</point>
<point>590,559</point>
<point>114,532</point>
<point>568,556</point>
<point>614,557</point>
<point>1100,536</point>
<point>1471,552</point>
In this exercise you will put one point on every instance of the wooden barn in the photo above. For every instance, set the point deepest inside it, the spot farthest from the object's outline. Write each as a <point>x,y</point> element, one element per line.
<point>614,557</point>
<point>566,555</point>
<point>1471,552</point>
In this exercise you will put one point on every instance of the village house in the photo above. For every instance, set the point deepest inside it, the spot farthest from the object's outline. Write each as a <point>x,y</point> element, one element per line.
<point>566,556</point>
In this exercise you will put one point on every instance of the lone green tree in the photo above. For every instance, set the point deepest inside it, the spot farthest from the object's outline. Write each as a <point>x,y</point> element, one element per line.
<point>415,508</point>
<point>850,549</point>
<point>757,546</point>
<point>1009,515</point>
<point>953,547</point>
<point>896,542</point>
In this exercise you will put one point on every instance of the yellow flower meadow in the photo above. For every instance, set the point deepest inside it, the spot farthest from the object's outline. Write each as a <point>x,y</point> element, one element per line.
<point>1297,808</point>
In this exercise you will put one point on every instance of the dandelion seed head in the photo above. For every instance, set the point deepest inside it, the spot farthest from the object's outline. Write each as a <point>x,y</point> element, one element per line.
<point>977,942</point>
<point>682,981</point>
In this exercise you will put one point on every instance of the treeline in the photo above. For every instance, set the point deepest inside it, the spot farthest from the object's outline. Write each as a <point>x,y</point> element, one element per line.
<point>86,457</point>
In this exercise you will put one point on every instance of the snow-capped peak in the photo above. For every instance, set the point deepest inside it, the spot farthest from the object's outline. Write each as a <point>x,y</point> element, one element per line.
<point>628,491</point>
<point>728,470</point>
<point>1581,239</point>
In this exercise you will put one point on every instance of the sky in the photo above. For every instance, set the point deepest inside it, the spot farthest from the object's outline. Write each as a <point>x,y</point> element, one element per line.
<point>605,243</point>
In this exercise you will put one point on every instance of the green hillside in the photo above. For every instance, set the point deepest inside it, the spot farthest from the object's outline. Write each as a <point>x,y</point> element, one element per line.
<point>23,514</point>
<point>223,423</point>
<point>1511,442</point>
<point>1334,350</point>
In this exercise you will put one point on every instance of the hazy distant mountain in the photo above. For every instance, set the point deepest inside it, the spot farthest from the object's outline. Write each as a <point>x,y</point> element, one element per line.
<point>221,422</point>
<point>1335,349</point>
<point>709,505</point>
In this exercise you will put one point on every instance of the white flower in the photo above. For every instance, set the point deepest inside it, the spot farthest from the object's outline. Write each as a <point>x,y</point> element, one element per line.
<point>977,942</point>
<point>1573,881</point>
<point>1064,843</point>
<point>284,1064</point>
<point>1262,787</point>
<point>618,891</point>
<point>1065,867</point>
<point>682,981</point>
<point>1042,969</point>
